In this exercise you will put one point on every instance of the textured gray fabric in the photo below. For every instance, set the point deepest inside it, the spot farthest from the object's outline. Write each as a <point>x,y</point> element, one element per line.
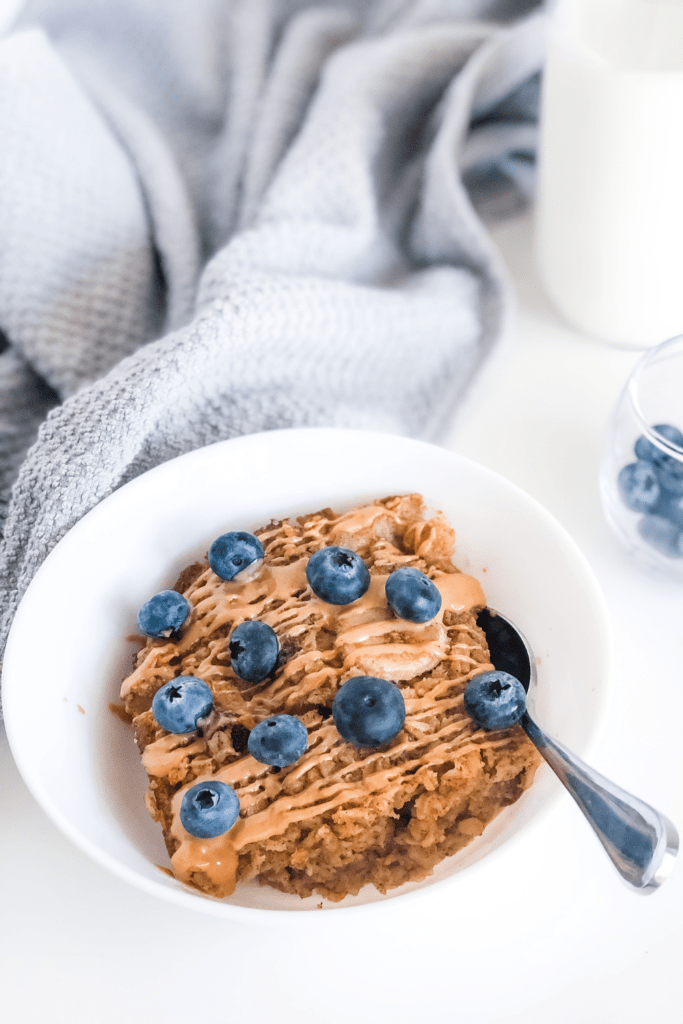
<point>222,217</point>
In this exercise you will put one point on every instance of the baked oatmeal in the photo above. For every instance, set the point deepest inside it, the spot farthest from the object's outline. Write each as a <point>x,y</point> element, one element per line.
<point>342,815</point>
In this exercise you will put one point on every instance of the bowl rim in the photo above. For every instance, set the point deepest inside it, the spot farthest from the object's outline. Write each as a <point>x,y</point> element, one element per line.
<point>633,391</point>
<point>184,896</point>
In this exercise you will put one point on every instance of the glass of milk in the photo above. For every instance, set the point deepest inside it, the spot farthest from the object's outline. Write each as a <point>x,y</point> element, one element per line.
<point>609,226</point>
<point>641,475</point>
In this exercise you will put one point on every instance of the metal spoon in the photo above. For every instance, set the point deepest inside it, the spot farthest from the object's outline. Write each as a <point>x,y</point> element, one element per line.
<point>641,843</point>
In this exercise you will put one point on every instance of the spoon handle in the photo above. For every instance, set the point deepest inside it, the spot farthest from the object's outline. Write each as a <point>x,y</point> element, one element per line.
<point>641,842</point>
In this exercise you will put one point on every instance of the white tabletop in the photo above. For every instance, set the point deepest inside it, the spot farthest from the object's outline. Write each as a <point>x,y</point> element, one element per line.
<point>570,942</point>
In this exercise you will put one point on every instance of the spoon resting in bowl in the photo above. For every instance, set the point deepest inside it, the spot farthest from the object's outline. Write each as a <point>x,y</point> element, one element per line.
<point>640,841</point>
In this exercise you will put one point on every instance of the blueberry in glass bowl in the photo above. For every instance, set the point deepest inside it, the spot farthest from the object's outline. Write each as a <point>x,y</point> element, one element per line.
<point>641,475</point>
<point>651,485</point>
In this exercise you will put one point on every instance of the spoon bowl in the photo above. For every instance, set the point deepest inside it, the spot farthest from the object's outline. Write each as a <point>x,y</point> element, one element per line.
<point>640,841</point>
<point>512,650</point>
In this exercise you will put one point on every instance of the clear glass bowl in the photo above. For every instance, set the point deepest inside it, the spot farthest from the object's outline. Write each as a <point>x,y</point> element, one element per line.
<point>641,475</point>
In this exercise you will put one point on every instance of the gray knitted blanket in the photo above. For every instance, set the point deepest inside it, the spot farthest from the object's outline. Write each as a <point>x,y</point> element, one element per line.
<point>222,217</point>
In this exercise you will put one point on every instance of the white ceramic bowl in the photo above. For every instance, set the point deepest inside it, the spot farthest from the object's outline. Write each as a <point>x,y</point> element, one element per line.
<point>67,651</point>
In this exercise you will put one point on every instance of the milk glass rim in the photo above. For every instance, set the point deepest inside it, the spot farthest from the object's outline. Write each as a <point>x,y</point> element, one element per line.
<point>633,391</point>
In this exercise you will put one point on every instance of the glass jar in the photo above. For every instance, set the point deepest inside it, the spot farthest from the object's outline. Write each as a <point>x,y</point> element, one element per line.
<point>641,475</point>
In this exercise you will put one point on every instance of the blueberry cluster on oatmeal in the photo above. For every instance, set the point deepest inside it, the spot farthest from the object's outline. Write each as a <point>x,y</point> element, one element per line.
<point>298,704</point>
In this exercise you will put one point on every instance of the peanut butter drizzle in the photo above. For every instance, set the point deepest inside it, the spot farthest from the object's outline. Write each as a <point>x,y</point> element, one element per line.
<point>213,858</point>
<point>369,639</point>
<point>165,754</point>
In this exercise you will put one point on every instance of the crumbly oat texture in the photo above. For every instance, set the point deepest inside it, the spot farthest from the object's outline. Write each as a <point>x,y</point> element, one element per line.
<point>341,817</point>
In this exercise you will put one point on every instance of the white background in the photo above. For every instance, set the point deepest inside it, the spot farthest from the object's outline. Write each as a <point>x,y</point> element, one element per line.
<point>561,939</point>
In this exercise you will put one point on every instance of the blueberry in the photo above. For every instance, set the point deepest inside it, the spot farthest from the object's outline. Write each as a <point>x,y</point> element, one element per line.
<point>669,469</point>
<point>644,449</point>
<point>232,553</point>
<point>670,506</point>
<point>337,575</point>
<point>368,712</point>
<point>638,486</point>
<point>163,614</point>
<point>279,740</point>
<point>670,475</point>
<point>178,704</point>
<point>412,595</point>
<point>662,534</point>
<point>495,700</point>
<point>253,650</point>
<point>209,809</point>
